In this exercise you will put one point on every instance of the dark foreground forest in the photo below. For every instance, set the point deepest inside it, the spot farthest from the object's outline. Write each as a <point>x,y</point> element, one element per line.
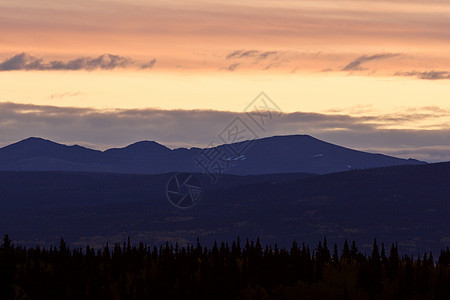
<point>240,270</point>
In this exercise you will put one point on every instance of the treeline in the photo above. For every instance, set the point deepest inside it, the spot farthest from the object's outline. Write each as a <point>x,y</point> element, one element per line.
<point>225,271</point>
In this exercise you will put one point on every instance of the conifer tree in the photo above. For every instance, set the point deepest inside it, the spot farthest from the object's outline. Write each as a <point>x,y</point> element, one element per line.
<point>346,256</point>
<point>354,251</point>
<point>335,255</point>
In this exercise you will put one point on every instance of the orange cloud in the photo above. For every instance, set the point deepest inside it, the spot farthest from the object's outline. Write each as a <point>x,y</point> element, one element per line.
<point>201,34</point>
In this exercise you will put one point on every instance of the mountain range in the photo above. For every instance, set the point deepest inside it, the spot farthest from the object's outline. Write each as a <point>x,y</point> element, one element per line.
<point>278,154</point>
<point>279,188</point>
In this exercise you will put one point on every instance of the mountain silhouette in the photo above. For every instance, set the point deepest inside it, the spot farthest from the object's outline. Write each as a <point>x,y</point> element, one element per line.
<point>37,147</point>
<point>303,153</point>
<point>140,150</point>
<point>278,154</point>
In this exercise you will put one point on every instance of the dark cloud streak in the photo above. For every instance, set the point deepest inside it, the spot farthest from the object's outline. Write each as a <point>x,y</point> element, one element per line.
<point>241,54</point>
<point>356,64</point>
<point>428,75</point>
<point>232,67</point>
<point>149,65</point>
<point>65,95</point>
<point>24,61</point>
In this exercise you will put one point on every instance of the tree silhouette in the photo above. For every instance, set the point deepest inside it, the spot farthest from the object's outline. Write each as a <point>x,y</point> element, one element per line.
<point>178,271</point>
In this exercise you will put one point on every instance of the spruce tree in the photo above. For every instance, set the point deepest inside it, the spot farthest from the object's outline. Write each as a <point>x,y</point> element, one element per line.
<point>346,256</point>
<point>335,255</point>
<point>354,251</point>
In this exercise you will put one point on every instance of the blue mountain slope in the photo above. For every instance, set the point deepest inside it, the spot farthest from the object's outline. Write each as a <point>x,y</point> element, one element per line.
<point>278,154</point>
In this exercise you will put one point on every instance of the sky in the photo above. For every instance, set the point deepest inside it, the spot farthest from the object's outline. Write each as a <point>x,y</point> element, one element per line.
<point>371,75</point>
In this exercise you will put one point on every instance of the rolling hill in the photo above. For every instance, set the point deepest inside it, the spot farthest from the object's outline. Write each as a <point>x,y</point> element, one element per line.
<point>408,204</point>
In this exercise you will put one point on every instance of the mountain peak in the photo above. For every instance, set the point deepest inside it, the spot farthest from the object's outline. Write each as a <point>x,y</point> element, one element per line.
<point>145,144</point>
<point>291,137</point>
<point>32,143</point>
<point>142,149</point>
<point>33,139</point>
<point>141,146</point>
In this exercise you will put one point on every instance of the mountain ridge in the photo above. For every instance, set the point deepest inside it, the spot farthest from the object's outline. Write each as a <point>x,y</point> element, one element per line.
<point>277,154</point>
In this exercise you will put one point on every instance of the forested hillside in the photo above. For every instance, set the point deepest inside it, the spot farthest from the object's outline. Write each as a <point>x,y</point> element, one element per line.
<point>240,270</point>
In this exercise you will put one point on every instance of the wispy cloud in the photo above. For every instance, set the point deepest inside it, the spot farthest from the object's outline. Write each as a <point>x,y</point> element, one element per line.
<point>248,58</point>
<point>356,64</point>
<point>251,53</point>
<point>24,61</point>
<point>429,75</point>
<point>149,65</point>
<point>65,95</point>
<point>232,67</point>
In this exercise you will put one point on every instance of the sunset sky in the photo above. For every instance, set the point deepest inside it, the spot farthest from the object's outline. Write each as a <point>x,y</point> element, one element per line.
<point>372,75</point>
